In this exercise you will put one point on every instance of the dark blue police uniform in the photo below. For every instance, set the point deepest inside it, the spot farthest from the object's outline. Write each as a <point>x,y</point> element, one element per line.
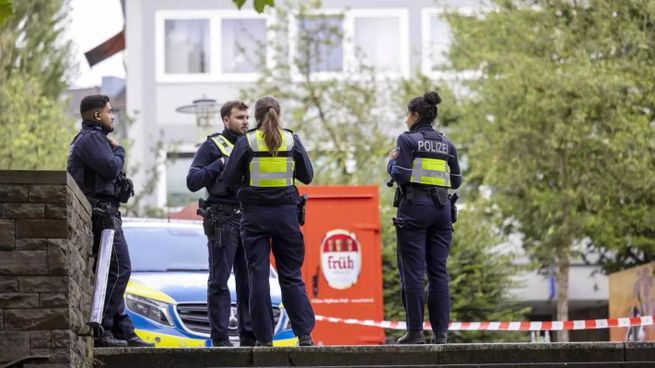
<point>270,218</point>
<point>226,250</point>
<point>423,222</point>
<point>95,165</point>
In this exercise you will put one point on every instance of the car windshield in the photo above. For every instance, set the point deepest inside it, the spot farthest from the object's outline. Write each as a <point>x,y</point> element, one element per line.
<point>157,249</point>
<point>166,248</point>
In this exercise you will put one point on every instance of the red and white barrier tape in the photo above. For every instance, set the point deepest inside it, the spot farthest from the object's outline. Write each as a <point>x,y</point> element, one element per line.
<point>589,324</point>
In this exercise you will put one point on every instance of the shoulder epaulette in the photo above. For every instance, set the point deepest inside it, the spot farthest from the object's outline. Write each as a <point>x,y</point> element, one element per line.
<point>288,130</point>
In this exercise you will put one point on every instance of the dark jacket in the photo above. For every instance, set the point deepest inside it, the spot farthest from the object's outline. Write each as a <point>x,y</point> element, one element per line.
<point>407,144</point>
<point>236,175</point>
<point>94,163</point>
<point>206,168</point>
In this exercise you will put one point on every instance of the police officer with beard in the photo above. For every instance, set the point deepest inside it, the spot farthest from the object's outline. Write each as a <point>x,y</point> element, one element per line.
<point>222,219</point>
<point>425,166</point>
<point>96,161</point>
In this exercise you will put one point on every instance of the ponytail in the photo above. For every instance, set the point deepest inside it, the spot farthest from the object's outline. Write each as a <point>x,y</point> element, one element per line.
<point>267,114</point>
<point>271,130</point>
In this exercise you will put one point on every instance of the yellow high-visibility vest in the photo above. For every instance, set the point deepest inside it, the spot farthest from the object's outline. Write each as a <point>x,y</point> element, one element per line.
<point>430,171</point>
<point>224,145</point>
<point>268,170</point>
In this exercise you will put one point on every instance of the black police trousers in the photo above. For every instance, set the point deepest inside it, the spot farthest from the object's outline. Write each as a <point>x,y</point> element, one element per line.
<point>115,321</point>
<point>263,227</point>
<point>225,252</point>
<point>424,233</point>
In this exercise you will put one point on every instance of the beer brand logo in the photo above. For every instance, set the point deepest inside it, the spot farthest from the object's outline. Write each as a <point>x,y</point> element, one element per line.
<point>341,258</point>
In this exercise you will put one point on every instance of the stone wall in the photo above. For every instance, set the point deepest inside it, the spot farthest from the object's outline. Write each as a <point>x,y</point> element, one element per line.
<point>45,269</point>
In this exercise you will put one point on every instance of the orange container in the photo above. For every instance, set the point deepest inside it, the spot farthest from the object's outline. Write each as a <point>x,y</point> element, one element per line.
<point>343,261</point>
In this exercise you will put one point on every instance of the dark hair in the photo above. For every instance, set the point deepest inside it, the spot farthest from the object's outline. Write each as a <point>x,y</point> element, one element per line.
<point>227,107</point>
<point>93,102</point>
<point>267,115</point>
<point>425,106</point>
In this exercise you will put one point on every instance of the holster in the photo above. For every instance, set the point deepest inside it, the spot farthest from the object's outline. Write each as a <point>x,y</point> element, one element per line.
<point>104,213</point>
<point>453,208</point>
<point>125,188</point>
<point>397,196</point>
<point>302,209</point>
<point>213,222</point>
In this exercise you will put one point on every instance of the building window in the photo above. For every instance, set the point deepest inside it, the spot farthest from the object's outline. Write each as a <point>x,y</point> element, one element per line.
<point>320,43</point>
<point>333,41</point>
<point>209,46</point>
<point>378,43</point>
<point>187,46</point>
<point>437,39</point>
<point>177,167</point>
<point>440,38</point>
<point>242,42</point>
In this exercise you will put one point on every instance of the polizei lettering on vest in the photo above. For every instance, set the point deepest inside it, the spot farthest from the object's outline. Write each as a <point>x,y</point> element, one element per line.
<point>433,146</point>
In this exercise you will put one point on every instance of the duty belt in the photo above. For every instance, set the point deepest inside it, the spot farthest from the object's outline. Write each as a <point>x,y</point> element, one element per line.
<point>222,207</point>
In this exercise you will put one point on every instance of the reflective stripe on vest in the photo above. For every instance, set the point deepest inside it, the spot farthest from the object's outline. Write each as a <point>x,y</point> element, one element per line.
<point>267,170</point>
<point>430,171</point>
<point>223,145</point>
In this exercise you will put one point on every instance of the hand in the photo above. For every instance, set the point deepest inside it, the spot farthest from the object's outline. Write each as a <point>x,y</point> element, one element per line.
<point>113,142</point>
<point>393,154</point>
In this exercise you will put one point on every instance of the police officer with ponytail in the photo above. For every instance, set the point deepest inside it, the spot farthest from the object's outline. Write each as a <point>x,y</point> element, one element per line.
<point>264,164</point>
<point>424,165</point>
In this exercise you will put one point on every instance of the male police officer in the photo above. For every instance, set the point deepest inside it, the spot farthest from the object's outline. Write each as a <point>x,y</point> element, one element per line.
<point>95,161</point>
<point>221,222</point>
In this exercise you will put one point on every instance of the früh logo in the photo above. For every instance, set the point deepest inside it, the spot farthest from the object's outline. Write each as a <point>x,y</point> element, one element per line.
<point>341,258</point>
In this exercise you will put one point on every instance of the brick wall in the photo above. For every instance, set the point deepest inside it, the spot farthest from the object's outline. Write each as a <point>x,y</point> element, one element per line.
<point>45,269</point>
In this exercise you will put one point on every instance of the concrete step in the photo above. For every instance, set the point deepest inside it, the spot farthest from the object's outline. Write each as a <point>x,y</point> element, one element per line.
<point>533,355</point>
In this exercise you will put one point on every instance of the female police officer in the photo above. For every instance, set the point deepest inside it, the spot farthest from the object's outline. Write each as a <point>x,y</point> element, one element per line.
<point>424,164</point>
<point>265,163</point>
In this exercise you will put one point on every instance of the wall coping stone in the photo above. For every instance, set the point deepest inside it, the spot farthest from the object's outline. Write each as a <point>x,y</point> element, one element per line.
<point>44,177</point>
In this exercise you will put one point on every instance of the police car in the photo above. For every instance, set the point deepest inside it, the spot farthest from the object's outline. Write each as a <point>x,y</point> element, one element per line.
<point>166,297</point>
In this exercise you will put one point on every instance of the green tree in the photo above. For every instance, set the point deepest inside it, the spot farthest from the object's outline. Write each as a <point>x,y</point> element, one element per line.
<point>34,56</point>
<point>349,124</point>
<point>5,10</point>
<point>560,125</point>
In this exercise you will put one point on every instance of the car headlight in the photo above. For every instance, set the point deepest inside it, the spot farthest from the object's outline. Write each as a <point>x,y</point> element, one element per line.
<point>148,308</point>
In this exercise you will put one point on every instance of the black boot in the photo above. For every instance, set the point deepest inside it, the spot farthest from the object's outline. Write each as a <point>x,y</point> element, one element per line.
<point>222,342</point>
<point>247,340</point>
<point>305,340</point>
<point>412,337</point>
<point>137,342</point>
<point>109,341</point>
<point>264,343</point>
<point>439,338</point>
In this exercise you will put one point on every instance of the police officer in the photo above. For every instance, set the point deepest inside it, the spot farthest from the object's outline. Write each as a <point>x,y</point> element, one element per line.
<point>265,164</point>
<point>221,221</point>
<point>424,165</point>
<point>95,161</point>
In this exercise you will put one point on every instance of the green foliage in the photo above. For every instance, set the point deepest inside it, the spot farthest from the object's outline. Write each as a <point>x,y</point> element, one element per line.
<point>560,127</point>
<point>349,124</point>
<point>34,131</point>
<point>5,10</point>
<point>259,5</point>
<point>481,275</point>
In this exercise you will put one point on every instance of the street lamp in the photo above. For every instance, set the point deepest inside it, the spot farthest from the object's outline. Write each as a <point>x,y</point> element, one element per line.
<point>206,111</point>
